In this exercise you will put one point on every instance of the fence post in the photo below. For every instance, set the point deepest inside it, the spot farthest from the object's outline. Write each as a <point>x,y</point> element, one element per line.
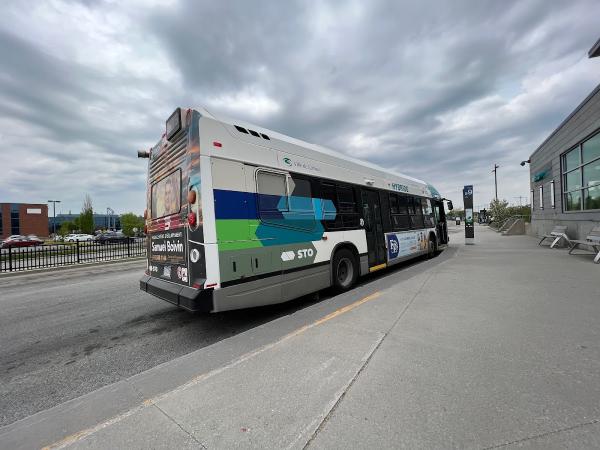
<point>128,247</point>
<point>77,242</point>
<point>10,259</point>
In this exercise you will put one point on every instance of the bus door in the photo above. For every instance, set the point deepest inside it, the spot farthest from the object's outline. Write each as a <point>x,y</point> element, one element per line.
<point>440,221</point>
<point>373,225</point>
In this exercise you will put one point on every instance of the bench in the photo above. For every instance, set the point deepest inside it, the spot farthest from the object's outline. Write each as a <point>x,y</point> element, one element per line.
<point>558,232</point>
<point>592,241</point>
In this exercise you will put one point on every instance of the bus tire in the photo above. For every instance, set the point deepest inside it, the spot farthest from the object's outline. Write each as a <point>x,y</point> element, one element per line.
<point>344,270</point>
<point>431,247</point>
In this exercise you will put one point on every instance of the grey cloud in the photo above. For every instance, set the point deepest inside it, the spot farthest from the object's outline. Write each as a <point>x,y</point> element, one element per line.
<point>331,68</point>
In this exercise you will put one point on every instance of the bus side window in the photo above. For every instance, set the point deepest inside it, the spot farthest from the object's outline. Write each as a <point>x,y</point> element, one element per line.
<point>400,219</point>
<point>301,213</point>
<point>329,202</point>
<point>415,211</point>
<point>427,213</point>
<point>272,196</point>
<point>339,206</point>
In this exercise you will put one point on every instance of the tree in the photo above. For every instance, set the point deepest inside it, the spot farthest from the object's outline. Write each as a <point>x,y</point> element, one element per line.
<point>66,228</point>
<point>499,211</point>
<point>457,213</point>
<point>129,221</point>
<point>86,218</point>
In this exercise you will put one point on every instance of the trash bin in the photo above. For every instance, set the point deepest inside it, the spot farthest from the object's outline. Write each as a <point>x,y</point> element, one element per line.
<point>457,221</point>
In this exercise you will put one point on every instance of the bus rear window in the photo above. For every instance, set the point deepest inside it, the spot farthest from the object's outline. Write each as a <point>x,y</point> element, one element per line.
<point>166,195</point>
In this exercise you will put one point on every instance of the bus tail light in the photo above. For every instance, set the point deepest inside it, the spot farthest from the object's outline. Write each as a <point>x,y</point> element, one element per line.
<point>191,196</point>
<point>145,229</point>
<point>192,219</point>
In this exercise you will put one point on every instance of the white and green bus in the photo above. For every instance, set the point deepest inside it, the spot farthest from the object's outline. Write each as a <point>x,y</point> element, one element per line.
<point>239,216</point>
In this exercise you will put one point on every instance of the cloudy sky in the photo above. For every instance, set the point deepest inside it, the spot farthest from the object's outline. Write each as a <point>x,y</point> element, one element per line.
<point>434,89</point>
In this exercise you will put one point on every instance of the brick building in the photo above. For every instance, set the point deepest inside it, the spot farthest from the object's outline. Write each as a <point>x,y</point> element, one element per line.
<point>23,218</point>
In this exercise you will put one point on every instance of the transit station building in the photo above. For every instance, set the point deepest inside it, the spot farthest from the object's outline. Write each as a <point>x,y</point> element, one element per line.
<point>565,171</point>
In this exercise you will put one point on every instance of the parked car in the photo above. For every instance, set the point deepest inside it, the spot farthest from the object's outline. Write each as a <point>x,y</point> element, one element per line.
<point>79,237</point>
<point>21,241</point>
<point>111,236</point>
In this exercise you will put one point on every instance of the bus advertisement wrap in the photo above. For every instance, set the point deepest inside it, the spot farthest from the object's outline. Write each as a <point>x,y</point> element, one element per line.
<point>168,256</point>
<point>403,244</point>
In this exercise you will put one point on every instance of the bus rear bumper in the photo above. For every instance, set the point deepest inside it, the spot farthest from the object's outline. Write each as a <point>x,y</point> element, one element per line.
<point>190,299</point>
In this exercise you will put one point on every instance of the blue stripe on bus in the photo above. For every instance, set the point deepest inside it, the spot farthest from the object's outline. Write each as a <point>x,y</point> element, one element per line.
<point>242,205</point>
<point>235,205</point>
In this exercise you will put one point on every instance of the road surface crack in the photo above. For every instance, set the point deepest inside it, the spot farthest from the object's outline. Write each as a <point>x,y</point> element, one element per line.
<point>179,426</point>
<point>548,433</point>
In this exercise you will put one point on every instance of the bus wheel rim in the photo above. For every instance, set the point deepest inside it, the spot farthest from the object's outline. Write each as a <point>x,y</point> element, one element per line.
<point>344,271</point>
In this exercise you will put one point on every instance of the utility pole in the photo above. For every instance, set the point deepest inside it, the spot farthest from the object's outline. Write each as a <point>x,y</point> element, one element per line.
<point>54,202</point>
<point>520,197</point>
<point>496,179</point>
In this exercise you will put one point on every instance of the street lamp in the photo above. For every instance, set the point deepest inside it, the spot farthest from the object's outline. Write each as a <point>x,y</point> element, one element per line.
<point>528,161</point>
<point>109,214</point>
<point>54,202</point>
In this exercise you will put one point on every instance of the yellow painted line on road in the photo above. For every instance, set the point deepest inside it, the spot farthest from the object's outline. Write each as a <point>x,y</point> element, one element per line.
<point>379,267</point>
<point>71,439</point>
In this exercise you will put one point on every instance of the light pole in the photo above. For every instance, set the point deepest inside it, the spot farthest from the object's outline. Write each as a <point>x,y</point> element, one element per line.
<point>54,202</point>
<point>496,179</point>
<point>109,213</point>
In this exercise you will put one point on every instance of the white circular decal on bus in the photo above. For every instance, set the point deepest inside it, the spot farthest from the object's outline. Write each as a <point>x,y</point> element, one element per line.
<point>194,255</point>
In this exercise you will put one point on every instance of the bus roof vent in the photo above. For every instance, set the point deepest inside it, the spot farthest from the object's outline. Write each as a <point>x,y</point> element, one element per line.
<point>252,132</point>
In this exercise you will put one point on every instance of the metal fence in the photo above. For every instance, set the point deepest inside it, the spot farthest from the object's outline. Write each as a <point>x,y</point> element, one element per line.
<point>53,255</point>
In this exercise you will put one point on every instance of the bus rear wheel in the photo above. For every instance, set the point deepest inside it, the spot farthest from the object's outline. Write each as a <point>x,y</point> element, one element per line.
<point>431,247</point>
<point>345,270</point>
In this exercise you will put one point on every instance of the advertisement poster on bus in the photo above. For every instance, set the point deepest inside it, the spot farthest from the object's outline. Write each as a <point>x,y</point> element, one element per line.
<point>406,243</point>
<point>166,195</point>
<point>168,256</point>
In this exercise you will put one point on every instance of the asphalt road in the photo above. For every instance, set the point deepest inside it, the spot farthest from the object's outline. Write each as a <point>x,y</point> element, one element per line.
<point>68,332</point>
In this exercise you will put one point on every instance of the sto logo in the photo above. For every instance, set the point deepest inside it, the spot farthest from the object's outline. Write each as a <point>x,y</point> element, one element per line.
<point>393,247</point>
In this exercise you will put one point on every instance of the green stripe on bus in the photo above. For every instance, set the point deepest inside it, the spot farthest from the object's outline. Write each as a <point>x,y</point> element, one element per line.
<point>235,234</point>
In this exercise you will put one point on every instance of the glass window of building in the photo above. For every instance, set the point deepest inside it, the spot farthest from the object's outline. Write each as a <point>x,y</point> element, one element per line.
<point>581,176</point>
<point>14,219</point>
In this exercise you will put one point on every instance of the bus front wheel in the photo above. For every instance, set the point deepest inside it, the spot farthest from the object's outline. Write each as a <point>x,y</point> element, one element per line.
<point>345,270</point>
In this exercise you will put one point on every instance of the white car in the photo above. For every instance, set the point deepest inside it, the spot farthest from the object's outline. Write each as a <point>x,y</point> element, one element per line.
<point>79,237</point>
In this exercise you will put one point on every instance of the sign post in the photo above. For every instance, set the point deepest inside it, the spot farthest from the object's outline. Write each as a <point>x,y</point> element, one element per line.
<point>469,226</point>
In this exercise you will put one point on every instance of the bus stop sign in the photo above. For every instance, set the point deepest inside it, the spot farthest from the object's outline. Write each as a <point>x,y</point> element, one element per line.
<point>468,203</point>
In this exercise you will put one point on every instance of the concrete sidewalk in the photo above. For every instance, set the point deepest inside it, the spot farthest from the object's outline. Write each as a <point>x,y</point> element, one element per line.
<point>498,345</point>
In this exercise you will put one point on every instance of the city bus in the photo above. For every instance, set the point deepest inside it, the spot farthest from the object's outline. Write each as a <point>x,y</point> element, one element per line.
<point>240,216</point>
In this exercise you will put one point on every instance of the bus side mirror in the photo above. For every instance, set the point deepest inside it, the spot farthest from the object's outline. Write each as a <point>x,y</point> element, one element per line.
<point>450,206</point>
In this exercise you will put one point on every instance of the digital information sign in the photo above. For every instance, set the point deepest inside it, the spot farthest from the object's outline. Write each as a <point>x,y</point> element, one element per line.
<point>468,203</point>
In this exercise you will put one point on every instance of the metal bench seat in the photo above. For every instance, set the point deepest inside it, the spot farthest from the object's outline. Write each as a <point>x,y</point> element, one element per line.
<point>592,241</point>
<point>558,233</point>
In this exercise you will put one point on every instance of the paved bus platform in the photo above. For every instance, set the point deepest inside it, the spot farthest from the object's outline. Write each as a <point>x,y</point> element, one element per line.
<point>492,345</point>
